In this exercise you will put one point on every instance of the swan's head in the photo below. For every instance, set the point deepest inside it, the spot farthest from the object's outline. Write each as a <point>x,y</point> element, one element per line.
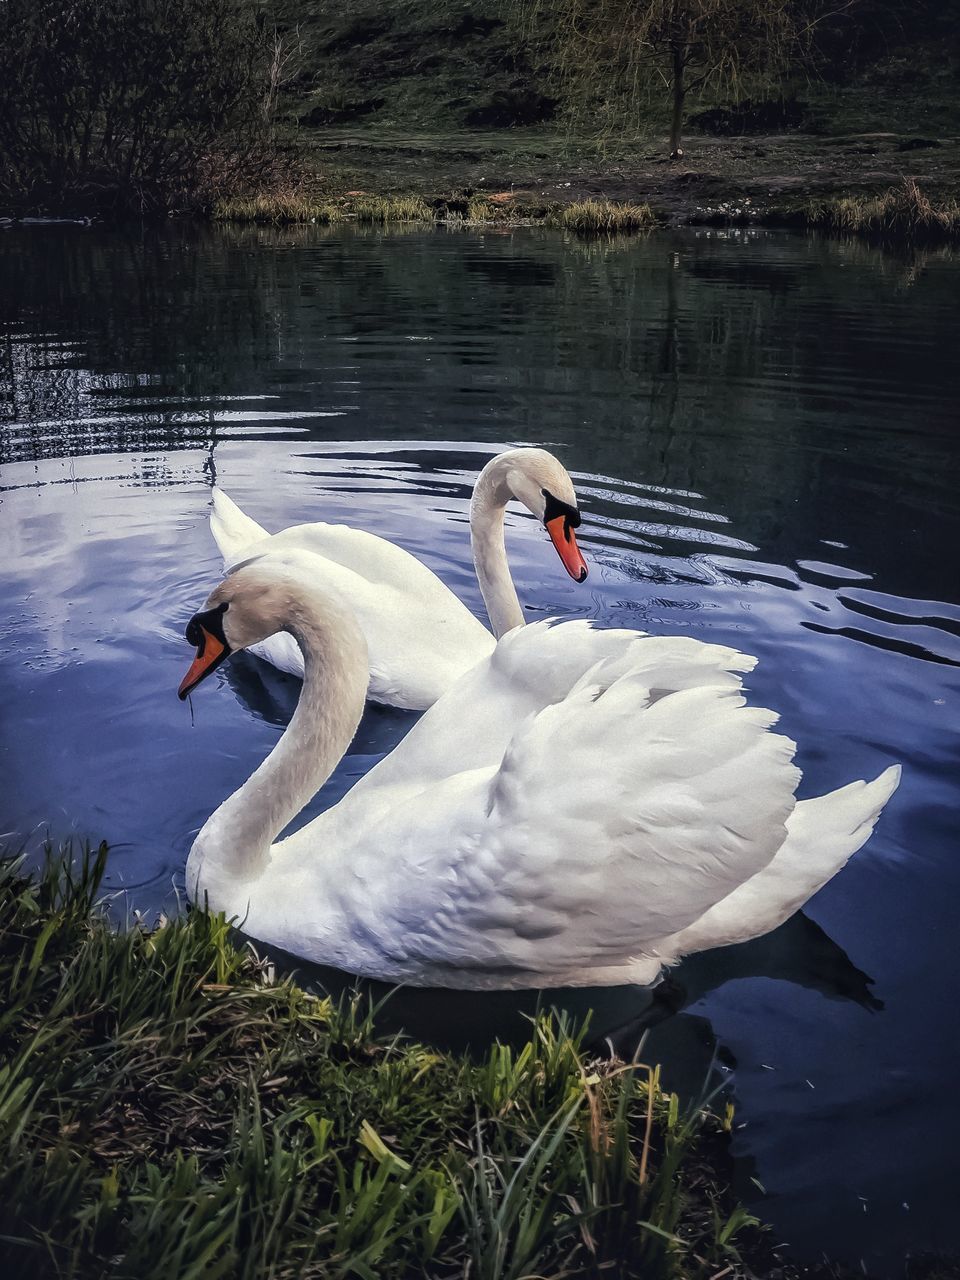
<point>541,482</point>
<point>257,598</point>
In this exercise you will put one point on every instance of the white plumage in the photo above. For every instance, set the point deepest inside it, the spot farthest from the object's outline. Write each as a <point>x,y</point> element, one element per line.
<point>582,807</point>
<point>420,637</point>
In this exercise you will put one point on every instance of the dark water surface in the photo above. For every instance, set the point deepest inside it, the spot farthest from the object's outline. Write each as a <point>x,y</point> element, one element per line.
<point>762,429</point>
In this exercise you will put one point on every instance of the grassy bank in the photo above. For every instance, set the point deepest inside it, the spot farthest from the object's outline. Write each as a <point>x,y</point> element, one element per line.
<point>168,1109</point>
<point>902,215</point>
<point>586,217</point>
<point>456,106</point>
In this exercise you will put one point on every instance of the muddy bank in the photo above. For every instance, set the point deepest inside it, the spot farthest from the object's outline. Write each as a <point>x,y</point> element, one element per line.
<point>760,179</point>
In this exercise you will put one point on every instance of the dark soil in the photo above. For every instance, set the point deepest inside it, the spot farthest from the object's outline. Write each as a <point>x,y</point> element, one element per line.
<point>725,179</point>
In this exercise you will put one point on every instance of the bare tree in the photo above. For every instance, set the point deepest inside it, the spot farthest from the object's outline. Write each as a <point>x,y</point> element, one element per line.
<point>286,58</point>
<point>639,47</point>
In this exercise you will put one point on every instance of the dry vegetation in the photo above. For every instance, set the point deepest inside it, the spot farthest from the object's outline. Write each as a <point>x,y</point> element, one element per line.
<point>604,217</point>
<point>902,214</point>
<point>586,217</point>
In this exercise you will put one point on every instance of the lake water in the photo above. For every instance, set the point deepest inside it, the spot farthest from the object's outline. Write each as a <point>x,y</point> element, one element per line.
<point>762,430</point>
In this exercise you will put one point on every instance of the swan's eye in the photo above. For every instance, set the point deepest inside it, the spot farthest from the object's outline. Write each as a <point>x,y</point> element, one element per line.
<point>210,620</point>
<point>553,508</point>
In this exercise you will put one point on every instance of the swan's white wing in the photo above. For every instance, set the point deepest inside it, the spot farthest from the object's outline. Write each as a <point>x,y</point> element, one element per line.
<point>531,668</point>
<point>822,834</point>
<point>617,813</point>
<point>471,726</point>
<point>421,638</point>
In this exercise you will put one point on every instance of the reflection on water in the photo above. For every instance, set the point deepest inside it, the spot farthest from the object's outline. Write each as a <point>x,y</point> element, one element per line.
<point>761,429</point>
<point>619,1017</point>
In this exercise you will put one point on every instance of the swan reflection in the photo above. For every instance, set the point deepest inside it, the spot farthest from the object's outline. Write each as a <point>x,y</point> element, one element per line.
<point>657,1024</point>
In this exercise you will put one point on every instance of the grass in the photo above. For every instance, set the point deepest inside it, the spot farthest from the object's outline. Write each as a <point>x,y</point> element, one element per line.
<point>168,1109</point>
<point>389,97</point>
<point>585,217</point>
<point>901,215</point>
<point>285,207</point>
<point>604,217</point>
<point>277,207</point>
<point>383,209</point>
<point>421,64</point>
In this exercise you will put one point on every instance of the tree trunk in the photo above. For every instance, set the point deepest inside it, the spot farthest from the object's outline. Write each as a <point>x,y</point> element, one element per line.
<point>676,122</point>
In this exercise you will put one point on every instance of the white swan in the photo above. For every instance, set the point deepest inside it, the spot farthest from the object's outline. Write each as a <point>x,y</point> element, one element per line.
<point>582,807</point>
<point>420,637</point>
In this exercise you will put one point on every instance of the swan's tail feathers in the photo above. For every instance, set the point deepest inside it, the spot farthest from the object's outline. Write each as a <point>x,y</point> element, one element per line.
<point>232,531</point>
<point>844,819</point>
<point>822,835</point>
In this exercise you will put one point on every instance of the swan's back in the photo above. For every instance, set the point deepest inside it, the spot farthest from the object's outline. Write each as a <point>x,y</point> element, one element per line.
<point>421,638</point>
<point>530,669</point>
<point>580,797</point>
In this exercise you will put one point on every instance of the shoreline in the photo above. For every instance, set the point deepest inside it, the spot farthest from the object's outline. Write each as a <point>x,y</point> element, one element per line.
<point>898,190</point>
<point>529,176</point>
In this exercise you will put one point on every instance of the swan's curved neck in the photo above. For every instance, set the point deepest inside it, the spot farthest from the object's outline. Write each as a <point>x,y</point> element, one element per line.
<point>235,841</point>
<point>490,497</point>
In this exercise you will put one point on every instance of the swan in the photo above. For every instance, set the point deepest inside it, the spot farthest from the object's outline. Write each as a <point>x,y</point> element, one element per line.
<point>583,807</point>
<point>420,637</point>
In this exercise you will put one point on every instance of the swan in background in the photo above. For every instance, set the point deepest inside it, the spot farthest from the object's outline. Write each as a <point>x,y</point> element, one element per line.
<point>581,808</point>
<point>420,637</point>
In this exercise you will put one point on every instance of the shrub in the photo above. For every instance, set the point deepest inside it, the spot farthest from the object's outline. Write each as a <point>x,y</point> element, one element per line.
<point>383,209</point>
<point>129,104</point>
<point>278,207</point>
<point>509,108</point>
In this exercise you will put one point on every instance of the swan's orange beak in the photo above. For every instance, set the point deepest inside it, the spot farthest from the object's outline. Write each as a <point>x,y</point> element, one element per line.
<point>565,540</point>
<point>210,653</point>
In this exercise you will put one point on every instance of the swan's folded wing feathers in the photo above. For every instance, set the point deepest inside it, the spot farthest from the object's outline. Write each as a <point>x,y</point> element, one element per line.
<point>374,559</point>
<point>549,660</point>
<point>530,668</point>
<point>609,822</point>
<point>822,834</point>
